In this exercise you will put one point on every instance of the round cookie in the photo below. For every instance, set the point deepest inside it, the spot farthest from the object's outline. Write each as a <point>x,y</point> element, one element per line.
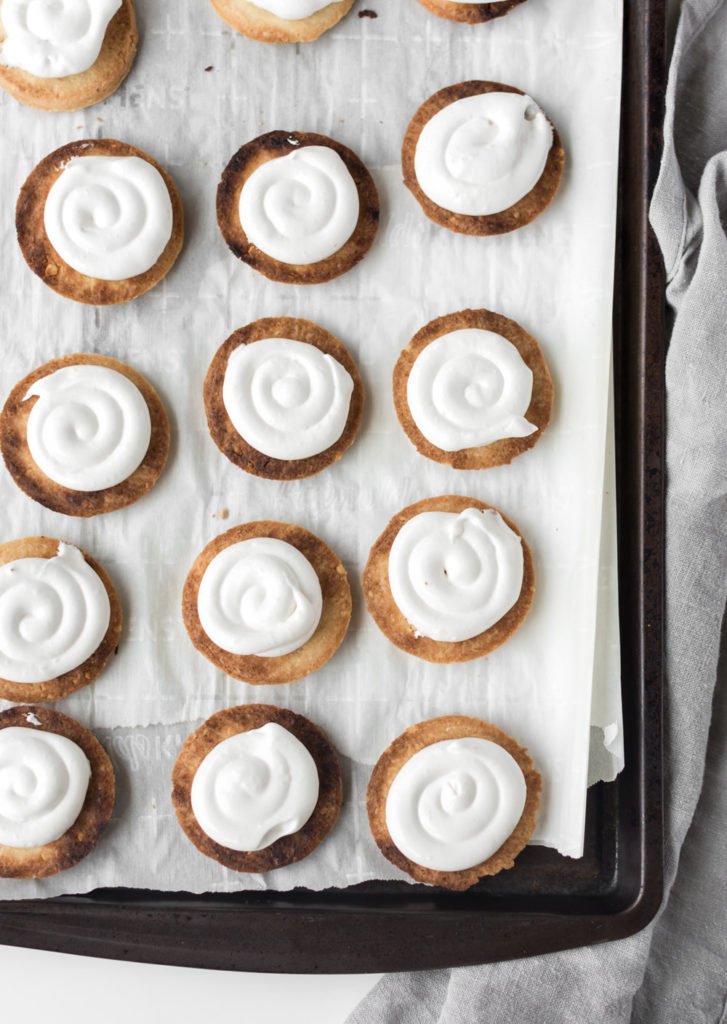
<point>83,89</point>
<point>229,440</point>
<point>417,738</point>
<point>473,14</point>
<point>515,216</point>
<point>328,634</point>
<point>257,23</point>
<point>85,673</point>
<point>41,256</point>
<point>78,841</point>
<point>33,481</point>
<point>391,621</point>
<point>280,144</point>
<point>496,453</point>
<point>289,848</point>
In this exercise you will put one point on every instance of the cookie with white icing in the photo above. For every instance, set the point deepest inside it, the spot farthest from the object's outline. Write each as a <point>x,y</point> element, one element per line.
<point>257,787</point>
<point>282,21</point>
<point>267,602</point>
<point>482,158</point>
<point>472,390</point>
<point>65,56</point>
<point>283,398</point>
<point>473,14</point>
<point>60,619</point>
<point>450,579</point>
<point>56,792</point>
<point>453,799</point>
<point>84,434</point>
<point>99,221</point>
<point>297,207</point>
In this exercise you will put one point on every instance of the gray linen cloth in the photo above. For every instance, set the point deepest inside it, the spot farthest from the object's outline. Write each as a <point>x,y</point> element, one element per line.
<point>676,969</point>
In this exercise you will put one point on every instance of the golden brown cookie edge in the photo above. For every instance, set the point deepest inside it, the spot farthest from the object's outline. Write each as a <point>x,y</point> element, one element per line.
<point>385,613</point>
<point>498,453</point>
<point>256,23</point>
<point>419,736</point>
<point>80,839</point>
<point>472,14</point>
<point>329,634</point>
<point>287,849</point>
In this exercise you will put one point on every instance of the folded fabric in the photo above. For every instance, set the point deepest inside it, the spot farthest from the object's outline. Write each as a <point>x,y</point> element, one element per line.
<point>674,970</point>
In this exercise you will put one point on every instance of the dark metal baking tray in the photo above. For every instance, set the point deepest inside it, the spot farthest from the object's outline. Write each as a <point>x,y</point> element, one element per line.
<point>547,902</point>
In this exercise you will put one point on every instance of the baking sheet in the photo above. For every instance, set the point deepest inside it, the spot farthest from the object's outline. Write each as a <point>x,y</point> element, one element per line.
<point>360,83</point>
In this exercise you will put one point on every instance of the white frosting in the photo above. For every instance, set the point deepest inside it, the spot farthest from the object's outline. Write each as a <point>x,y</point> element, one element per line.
<point>90,427</point>
<point>454,803</point>
<point>259,596</point>
<point>109,217</point>
<point>54,38</point>
<point>453,576</point>
<point>43,783</point>
<point>482,154</point>
<point>254,788</point>
<point>300,208</point>
<point>470,387</point>
<point>286,398</point>
<point>292,10</point>
<point>54,612</point>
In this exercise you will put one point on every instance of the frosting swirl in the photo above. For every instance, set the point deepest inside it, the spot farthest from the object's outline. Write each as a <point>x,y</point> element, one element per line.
<point>260,596</point>
<point>300,208</point>
<point>54,38</point>
<point>90,427</point>
<point>482,154</point>
<point>254,788</point>
<point>54,612</point>
<point>109,217</point>
<point>454,803</point>
<point>453,576</point>
<point>468,388</point>
<point>291,10</point>
<point>43,782</point>
<point>286,398</point>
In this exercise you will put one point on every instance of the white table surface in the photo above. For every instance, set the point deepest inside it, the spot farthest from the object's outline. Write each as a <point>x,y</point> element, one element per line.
<point>43,987</point>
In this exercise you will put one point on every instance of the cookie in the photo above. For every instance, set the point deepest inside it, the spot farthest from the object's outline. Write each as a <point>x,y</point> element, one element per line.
<point>84,434</point>
<point>282,21</point>
<point>467,589</point>
<point>57,794</point>
<point>472,390</point>
<point>283,398</point>
<point>55,74</point>
<point>60,620</point>
<point>473,14</point>
<point>267,602</point>
<point>432,792</point>
<point>302,242</point>
<point>481,181</point>
<point>76,202</point>
<point>281,821</point>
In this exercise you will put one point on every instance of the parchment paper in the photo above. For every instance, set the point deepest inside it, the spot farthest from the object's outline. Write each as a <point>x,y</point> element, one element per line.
<point>196,93</point>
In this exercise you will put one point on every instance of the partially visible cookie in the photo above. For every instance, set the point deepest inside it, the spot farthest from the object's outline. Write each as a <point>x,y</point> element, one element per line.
<point>283,398</point>
<point>453,799</point>
<point>267,602</point>
<point>450,579</point>
<point>60,619</point>
<point>84,434</point>
<point>472,390</point>
<point>473,14</point>
<point>482,158</point>
<point>297,207</point>
<point>282,792</point>
<point>282,21</point>
<point>69,65</point>
<point>57,794</point>
<point>99,221</point>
